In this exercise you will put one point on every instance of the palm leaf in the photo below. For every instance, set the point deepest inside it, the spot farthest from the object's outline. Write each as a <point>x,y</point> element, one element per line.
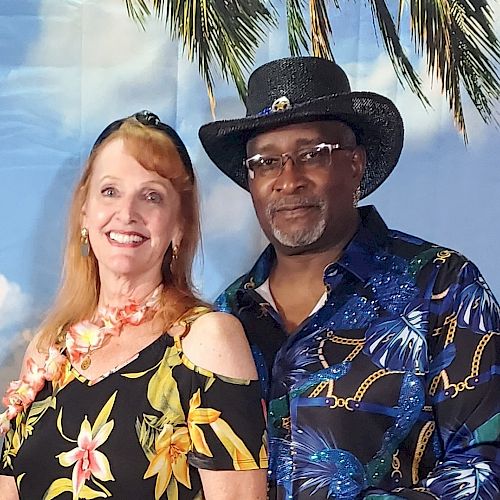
<point>221,35</point>
<point>475,43</point>
<point>402,66</point>
<point>457,37</point>
<point>321,32</point>
<point>297,31</point>
<point>321,29</point>
<point>460,47</point>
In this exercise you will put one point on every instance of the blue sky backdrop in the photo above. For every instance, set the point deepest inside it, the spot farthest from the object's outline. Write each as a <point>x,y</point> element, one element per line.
<point>69,67</point>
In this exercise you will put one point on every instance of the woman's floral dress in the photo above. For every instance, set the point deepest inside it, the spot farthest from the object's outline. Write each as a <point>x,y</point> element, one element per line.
<point>140,432</point>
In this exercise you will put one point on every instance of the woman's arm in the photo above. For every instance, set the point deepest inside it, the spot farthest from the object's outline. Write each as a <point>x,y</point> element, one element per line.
<point>231,484</point>
<point>8,489</point>
<point>217,342</point>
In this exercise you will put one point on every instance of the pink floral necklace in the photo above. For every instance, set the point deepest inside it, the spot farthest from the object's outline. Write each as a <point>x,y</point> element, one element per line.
<point>86,337</point>
<point>79,341</point>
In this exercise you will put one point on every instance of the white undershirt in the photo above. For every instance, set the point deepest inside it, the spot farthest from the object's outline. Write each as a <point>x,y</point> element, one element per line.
<point>265,292</point>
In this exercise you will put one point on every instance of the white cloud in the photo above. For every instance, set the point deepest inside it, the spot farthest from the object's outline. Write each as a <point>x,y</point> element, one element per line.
<point>420,123</point>
<point>14,303</point>
<point>91,63</point>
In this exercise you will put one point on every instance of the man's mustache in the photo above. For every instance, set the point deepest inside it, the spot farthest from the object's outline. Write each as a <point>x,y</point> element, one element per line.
<point>294,202</point>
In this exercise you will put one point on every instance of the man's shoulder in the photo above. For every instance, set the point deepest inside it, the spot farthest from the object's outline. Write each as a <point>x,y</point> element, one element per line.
<point>421,253</point>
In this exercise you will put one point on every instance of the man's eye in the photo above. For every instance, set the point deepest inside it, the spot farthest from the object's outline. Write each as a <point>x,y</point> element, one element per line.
<point>267,162</point>
<point>108,191</point>
<point>309,154</point>
<point>154,197</point>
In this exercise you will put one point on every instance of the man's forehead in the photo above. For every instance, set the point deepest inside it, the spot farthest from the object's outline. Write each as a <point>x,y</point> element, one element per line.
<point>300,132</point>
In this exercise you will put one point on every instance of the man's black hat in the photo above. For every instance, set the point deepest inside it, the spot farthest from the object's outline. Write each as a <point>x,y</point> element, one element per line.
<point>305,89</point>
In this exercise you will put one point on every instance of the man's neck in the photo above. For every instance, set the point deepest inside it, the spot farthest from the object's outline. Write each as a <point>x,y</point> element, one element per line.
<point>306,265</point>
<point>296,281</point>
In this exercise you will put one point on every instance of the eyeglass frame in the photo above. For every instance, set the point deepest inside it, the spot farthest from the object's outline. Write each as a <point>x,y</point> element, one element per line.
<point>149,119</point>
<point>292,155</point>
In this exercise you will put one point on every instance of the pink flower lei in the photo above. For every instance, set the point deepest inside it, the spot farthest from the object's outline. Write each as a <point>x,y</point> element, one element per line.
<point>80,340</point>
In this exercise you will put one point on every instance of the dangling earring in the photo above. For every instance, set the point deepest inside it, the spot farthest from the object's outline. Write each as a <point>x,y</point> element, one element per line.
<point>356,197</point>
<point>84,242</point>
<point>175,255</point>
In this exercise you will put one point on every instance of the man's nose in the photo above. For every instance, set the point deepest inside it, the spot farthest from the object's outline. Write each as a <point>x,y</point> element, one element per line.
<point>291,177</point>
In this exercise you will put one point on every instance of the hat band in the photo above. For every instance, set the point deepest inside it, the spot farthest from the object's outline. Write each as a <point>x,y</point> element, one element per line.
<point>279,105</point>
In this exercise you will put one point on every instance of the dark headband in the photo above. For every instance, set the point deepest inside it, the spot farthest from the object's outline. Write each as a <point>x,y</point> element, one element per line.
<point>149,119</point>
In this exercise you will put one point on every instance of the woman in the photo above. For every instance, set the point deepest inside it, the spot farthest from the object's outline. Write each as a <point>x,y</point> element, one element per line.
<point>133,389</point>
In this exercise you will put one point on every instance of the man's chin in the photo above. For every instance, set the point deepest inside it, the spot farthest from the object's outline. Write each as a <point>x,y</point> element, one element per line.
<point>298,240</point>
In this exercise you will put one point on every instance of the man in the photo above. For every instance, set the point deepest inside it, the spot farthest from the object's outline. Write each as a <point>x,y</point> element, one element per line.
<point>378,350</point>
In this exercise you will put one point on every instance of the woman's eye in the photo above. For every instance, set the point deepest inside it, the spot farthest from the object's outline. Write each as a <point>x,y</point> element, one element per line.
<point>154,197</point>
<point>108,191</point>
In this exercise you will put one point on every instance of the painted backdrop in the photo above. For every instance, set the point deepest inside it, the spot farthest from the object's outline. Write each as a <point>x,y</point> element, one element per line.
<point>69,67</point>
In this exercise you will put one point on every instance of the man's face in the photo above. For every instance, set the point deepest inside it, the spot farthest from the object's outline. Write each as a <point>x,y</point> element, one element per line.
<point>306,207</point>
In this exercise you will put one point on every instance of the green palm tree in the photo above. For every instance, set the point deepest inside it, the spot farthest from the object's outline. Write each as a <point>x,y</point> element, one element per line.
<point>457,38</point>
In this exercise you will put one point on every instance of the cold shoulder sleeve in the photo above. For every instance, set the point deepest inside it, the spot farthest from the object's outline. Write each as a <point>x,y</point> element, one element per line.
<point>225,418</point>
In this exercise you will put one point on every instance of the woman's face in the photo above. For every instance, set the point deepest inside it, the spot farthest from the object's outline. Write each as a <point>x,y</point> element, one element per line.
<point>132,215</point>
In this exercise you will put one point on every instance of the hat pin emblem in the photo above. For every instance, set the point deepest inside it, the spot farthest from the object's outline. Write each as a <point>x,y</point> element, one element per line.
<point>280,104</point>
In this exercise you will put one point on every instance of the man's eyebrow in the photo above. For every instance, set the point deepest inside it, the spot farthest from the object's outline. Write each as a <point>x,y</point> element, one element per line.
<point>305,141</point>
<point>310,141</point>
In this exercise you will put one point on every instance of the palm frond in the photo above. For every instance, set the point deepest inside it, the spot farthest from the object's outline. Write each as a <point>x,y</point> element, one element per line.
<point>138,10</point>
<point>402,66</point>
<point>297,31</point>
<point>460,47</point>
<point>401,9</point>
<point>321,29</point>
<point>223,36</point>
<point>456,36</point>
<point>318,37</point>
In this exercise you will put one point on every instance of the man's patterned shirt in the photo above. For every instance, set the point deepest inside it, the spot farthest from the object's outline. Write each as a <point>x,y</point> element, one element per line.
<point>390,389</point>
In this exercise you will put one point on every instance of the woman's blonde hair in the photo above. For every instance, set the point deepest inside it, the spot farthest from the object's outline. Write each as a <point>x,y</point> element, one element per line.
<point>78,294</point>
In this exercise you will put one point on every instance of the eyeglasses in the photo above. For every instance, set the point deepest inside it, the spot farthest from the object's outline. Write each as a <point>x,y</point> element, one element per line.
<point>305,159</point>
<point>149,119</point>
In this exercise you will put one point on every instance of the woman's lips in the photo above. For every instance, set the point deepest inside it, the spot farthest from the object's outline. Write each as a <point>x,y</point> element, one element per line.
<point>125,239</point>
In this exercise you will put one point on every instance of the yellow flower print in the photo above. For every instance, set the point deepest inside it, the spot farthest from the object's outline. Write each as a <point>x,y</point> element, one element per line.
<point>196,417</point>
<point>241,456</point>
<point>171,448</point>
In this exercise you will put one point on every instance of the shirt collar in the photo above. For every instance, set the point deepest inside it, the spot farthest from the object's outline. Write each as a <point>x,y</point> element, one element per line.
<point>359,257</point>
<point>261,269</point>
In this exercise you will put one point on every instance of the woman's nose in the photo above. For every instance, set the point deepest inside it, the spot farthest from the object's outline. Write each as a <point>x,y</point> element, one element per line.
<point>128,210</point>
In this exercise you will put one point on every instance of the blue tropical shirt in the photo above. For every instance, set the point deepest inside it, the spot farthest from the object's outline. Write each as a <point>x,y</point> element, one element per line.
<point>389,390</point>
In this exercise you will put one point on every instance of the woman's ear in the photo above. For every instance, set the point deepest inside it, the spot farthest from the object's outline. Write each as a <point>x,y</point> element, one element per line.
<point>83,215</point>
<point>177,240</point>
<point>178,235</point>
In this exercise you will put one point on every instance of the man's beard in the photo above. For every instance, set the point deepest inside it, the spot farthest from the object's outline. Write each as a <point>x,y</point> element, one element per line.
<point>300,237</point>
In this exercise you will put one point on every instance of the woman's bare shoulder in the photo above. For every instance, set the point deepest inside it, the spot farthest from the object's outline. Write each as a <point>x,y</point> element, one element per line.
<point>217,342</point>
